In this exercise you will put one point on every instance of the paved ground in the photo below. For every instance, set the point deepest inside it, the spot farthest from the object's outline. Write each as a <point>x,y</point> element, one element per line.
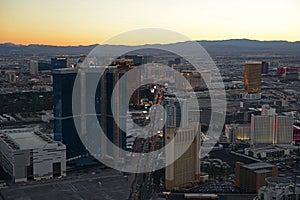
<point>106,184</point>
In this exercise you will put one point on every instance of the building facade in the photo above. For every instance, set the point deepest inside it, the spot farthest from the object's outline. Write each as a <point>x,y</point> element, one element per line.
<point>270,128</point>
<point>60,62</point>
<point>92,103</point>
<point>252,176</point>
<point>28,154</point>
<point>64,127</point>
<point>296,134</point>
<point>264,67</point>
<point>252,80</point>
<point>33,67</point>
<point>267,152</point>
<point>278,188</point>
<point>177,111</point>
<point>186,169</point>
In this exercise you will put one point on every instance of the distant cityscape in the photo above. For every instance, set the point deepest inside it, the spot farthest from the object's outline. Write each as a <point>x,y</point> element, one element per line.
<point>43,153</point>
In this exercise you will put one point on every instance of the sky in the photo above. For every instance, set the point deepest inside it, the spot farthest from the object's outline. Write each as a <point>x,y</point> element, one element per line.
<point>85,22</point>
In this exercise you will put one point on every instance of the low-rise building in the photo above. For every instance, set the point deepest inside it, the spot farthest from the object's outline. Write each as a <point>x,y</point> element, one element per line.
<point>267,152</point>
<point>278,188</point>
<point>26,153</point>
<point>252,176</point>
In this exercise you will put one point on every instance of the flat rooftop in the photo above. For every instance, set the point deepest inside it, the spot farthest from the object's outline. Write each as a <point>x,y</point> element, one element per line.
<point>253,62</point>
<point>262,171</point>
<point>278,180</point>
<point>25,138</point>
<point>266,149</point>
<point>65,70</point>
<point>258,165</point>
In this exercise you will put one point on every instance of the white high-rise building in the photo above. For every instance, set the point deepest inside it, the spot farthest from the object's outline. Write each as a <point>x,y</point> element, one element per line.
<point>284,129</point>
<point>271,129</point>
<point>262,129</point>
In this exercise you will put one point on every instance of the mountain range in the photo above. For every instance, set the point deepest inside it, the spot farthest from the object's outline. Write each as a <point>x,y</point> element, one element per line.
<point>217,47</point>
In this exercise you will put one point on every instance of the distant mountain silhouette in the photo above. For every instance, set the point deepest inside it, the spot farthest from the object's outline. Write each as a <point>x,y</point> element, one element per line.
<point>34,49</point>
<point>218,47</point>
<point>250,46</point>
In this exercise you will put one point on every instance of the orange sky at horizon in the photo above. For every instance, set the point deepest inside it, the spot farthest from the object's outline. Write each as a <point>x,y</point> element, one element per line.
<point>75,22</point>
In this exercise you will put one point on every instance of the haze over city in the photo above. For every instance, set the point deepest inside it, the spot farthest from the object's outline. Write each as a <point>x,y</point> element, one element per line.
<point>158,100</point>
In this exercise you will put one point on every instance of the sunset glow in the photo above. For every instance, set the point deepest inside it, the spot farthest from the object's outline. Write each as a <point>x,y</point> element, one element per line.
<point>74,22</point>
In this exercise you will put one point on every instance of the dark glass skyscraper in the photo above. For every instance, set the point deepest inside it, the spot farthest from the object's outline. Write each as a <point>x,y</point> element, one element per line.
<point>264,67</point>
<point>64,126</point>
<point>59,62</point>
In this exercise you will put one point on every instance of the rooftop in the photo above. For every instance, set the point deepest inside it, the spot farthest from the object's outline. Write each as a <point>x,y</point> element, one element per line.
<point>266,149</point>
<point>296,127</point>
<point>278,180</point>
<point>262,171</point>
<point>64,70</point>
<point>253,62</point>
<point>24,138</point>
<point>258,165</point>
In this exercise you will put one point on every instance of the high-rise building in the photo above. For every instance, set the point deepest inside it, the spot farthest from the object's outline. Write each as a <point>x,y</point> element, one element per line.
<point>230,132</point>
<point>177,111</point>
<point>271,128</point>
<point>108,122</point>
<point>64,127</point>
<point>60,62</point>
<point>252,80</point>
<point>284,129</point>
<point>243,132</point>
<point>101,102</point>
<point>264,67</point>
<point>262,129</point>
<point>186,169</point>
<point>237,132</point>
<point>44,65</point>
<point>195,80</point>
<point>139,59</point>
<point>33,67</point>
<point>124,64</point>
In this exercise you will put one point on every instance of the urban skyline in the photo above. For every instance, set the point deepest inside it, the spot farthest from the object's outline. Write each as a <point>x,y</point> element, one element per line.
<point>195,99</point>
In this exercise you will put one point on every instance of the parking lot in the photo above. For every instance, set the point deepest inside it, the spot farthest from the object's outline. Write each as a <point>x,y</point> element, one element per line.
<point>106,184</point>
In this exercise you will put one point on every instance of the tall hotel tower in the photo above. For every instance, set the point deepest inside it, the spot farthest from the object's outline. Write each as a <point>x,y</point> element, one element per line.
<point>91,104</point>
<point>252,80</point>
